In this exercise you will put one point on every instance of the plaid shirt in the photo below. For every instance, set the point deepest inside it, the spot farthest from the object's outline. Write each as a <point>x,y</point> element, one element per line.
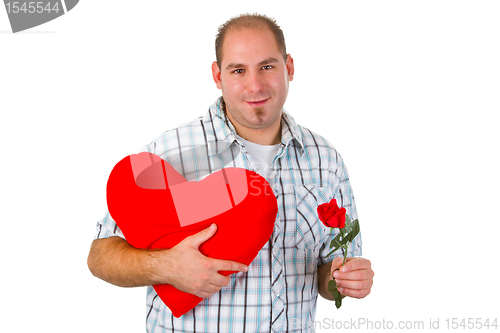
<point>280,289</point>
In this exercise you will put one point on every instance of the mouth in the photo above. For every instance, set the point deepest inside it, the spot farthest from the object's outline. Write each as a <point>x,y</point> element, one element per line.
<point>257,103</point>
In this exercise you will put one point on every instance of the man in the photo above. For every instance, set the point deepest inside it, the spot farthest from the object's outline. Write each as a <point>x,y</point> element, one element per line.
<point>277,292</point>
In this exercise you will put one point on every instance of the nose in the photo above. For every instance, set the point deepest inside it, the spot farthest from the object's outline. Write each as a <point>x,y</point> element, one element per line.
<point>255,82</point>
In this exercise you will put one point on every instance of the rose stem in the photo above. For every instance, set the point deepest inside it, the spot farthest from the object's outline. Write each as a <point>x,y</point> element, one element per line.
<point>342,247</point>
<point>345,254</point>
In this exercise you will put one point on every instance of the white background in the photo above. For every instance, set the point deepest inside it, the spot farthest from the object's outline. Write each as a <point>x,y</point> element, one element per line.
<point>407,91</point>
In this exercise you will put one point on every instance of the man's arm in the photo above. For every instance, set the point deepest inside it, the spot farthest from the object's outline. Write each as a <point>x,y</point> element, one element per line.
<point>183,266</point>
<point>354,279</point>
<point>115,261</point>
<point>324,276</point>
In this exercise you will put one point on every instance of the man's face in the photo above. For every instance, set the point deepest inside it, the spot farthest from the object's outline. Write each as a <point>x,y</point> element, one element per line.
<point>253,77</point>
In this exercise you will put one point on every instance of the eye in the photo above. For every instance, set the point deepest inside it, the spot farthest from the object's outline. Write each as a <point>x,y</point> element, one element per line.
<point>238,71</point>
<point>267,67</point>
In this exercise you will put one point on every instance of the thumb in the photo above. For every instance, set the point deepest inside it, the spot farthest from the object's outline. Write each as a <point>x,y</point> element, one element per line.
<point>204,235</point>
<point>336,263</point>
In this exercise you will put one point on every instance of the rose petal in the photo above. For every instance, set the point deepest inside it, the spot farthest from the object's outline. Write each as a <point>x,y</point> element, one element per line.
<point>331,215</point>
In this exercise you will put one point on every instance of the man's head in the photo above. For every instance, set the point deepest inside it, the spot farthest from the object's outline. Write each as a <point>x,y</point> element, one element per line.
<point>253,72</point>
<point>247,21</point>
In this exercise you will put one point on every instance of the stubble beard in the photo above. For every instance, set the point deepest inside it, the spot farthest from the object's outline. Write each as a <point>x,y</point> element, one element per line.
<point>259,112</point>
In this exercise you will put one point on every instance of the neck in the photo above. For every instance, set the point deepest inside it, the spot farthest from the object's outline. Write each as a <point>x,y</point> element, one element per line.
<point>266,137</point>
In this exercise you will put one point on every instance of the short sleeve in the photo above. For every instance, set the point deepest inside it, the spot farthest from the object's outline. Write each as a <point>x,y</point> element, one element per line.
<point>345,198</point>
<point>107,227</point>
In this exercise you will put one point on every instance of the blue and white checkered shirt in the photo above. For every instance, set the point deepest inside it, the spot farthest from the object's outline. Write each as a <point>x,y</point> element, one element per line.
<point>280,289</point>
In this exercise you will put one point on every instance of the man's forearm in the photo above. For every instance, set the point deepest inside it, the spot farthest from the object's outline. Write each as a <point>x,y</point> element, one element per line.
<point>324,276</point>
<point>117,262</point>
<point>183,266</point>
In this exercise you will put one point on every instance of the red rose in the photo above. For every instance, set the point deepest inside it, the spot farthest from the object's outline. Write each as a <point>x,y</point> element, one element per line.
<point>331,215</point>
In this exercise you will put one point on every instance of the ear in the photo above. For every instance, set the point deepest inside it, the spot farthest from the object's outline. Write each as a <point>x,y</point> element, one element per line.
<point>289,67</point>
<point>216,74</point>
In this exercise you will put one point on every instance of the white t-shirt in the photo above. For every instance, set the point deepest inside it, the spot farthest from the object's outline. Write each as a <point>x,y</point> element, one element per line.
<point>262,155</point>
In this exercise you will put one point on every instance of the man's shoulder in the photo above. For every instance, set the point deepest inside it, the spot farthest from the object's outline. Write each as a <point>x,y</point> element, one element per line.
<point>196,132</point>
<point>310,140</point>
<point>191,125</point>
<point>313,141</point>
<point>175,137</point>
<point>322,158</point>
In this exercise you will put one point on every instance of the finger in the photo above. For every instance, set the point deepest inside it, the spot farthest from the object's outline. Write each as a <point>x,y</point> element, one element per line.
<point>221,280</point>
<point>197,239</point>
<point>207,290</point>
<point>228,265</point>
<point>353,264</point>
<point>204,294</point>
<point>354,293</point>
<point>354,285</point>
<point>358,275</point>
<point>336,263</point>
<point>212,288</point>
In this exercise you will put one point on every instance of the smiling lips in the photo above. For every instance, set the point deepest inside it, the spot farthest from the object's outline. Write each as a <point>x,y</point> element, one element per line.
<point>257,103</point>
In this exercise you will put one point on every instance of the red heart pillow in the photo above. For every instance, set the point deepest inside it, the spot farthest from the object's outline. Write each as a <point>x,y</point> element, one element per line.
<point>156,207</point>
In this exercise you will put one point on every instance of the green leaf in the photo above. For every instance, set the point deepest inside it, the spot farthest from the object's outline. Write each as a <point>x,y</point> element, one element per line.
<point>332,287</point>
<point>336,241</point>
<point>351,235</point>
<point>355,231</point>
<point>345,240</point>
<point>338,301</point>
<point>348,224</point>
<point>357,227</point>
<point>331,252</point>
<point>347,219</point>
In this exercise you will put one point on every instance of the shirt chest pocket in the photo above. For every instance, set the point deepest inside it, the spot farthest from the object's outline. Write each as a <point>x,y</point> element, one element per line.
<point>310,230</point>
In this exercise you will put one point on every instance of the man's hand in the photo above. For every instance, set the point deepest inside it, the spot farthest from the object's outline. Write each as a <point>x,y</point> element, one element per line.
<point>183,266</point>
<point>355,278</point>
<point>188,270</point>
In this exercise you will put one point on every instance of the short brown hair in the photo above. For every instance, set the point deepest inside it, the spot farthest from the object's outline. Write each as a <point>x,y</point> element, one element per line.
<point>243,21</point>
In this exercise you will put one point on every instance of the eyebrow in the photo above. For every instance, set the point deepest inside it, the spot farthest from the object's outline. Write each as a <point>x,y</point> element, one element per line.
<point>262,63</point>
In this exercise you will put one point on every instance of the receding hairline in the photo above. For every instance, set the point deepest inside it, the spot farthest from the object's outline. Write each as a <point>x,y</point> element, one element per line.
<point>249,21</point>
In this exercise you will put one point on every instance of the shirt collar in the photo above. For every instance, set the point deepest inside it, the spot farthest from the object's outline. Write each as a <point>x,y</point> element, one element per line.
<point>291,131</point>
<point>221,134</point>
